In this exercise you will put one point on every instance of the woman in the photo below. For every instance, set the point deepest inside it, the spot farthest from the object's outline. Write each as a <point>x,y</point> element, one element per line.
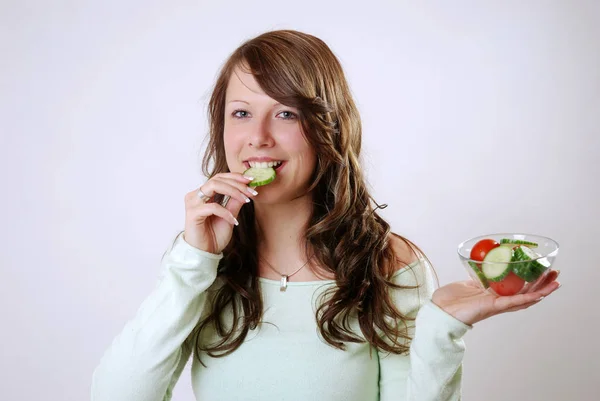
<point>296,290</point>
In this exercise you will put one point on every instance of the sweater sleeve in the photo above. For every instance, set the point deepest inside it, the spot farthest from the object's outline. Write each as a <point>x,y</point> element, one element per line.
<point>146,359</point>
<point>432,370</point>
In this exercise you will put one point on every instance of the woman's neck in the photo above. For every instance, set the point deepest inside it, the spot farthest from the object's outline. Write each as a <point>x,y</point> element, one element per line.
<point>281,232</point>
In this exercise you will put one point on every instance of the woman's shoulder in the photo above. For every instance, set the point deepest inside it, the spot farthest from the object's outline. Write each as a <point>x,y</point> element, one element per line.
<point>405,252</point>
<point>410,266</point>
<point>412,271</point>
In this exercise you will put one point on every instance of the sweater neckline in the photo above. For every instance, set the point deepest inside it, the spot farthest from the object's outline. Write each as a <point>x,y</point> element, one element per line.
<point>295,283</point>
<point>322,282</point>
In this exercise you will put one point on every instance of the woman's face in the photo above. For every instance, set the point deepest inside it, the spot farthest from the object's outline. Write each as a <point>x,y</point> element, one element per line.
<point>258,130</point>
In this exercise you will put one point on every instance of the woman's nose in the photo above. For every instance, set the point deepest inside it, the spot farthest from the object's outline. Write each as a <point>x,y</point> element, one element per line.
<point>260,135</point>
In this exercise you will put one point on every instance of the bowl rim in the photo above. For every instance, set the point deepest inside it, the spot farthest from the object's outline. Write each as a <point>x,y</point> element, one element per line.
<point>480,237</point>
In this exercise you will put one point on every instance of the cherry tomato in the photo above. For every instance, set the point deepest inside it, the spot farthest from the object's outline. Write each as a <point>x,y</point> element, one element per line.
<point>482,248</point>
<point>511,285</point>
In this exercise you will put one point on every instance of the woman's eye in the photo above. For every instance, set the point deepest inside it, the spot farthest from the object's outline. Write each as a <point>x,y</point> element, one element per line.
<point>287,115</point>
<point>240,114</point>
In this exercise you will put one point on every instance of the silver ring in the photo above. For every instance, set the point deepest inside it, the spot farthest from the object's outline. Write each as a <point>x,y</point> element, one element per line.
<point>225,200</point>
<point>202,196</point>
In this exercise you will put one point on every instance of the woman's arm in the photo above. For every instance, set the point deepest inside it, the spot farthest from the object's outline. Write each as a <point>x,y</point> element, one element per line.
<point>145,360</point>
<point>433,368</point>
<point>432,371</point>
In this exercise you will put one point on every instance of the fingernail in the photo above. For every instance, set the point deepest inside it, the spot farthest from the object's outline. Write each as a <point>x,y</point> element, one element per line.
<point>557,273</point>
<point>236,222</point>
<point>560,285</point>
<point>253,192</point>
<point>248,178</point>
<point>539,299</point>
<point>247,200</point>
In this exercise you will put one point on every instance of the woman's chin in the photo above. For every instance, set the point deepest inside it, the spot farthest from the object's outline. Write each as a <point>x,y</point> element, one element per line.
<point>269,199</point>
<point>273,196</point>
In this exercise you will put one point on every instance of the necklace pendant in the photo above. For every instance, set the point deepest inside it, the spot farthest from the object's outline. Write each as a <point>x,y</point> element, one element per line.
<point>284,281</point>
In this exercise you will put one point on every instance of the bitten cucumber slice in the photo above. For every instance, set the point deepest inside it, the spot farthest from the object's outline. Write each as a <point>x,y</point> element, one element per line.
<point>262,176</point>
<point>529,270</point>
<point>518,242</point>
<point>496,265</point>
<point>484,281</point>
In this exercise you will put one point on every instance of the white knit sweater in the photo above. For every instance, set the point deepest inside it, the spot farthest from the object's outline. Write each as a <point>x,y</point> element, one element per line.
<point>284,358</point>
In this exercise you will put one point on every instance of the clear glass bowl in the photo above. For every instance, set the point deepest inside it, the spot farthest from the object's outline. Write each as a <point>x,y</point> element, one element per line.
<point>547,249</point>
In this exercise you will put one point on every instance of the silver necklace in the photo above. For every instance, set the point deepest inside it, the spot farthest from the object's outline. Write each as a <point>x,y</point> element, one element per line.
<point>285,277</point>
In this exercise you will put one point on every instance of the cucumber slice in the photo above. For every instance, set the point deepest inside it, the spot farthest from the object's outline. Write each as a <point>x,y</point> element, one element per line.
<point>262,176</point>
<point>484,281</point>
<point>529,270</point>
<point>518,242</point>
<point>496,265</point>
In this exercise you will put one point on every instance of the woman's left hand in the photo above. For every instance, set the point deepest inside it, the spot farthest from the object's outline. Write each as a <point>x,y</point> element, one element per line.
<point>469,303</point>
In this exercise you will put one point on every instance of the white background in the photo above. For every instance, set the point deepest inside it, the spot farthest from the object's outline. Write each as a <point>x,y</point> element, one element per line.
<point>479,117</point>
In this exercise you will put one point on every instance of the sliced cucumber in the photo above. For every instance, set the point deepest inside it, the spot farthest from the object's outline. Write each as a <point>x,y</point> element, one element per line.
<point>529,270</point>
<point>496,263</point>
<point>518,242</point>
<point>262,176</point>
<point>484,281</point>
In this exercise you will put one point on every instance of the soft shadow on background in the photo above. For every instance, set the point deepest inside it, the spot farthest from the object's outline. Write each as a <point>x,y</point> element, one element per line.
<point>478,117</point>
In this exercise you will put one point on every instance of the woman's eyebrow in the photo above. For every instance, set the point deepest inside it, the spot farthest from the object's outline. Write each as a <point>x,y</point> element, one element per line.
<point>276,104</point>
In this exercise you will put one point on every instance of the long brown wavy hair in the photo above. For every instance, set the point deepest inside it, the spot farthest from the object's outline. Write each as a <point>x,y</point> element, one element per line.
<point>348,237</point>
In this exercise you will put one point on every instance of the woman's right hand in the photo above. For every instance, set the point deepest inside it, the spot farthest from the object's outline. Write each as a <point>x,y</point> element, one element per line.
<point>208,225</point>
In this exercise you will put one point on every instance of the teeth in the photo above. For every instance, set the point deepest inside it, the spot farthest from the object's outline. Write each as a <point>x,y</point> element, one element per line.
<point>264,164</point>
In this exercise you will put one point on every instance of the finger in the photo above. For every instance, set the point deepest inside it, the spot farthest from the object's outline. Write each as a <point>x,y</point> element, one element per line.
<point>200,213</point>
<point>548,289</point>
<point>551,276</point>
<point>232,203</point>
<point>234,206</point>
<point>229,188</point>
<point>504,304</point>
<point>544,280</point>
<point>539,296</point>
<point>239,177</point>
<point>524,306</point>
<point>243,187</point>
